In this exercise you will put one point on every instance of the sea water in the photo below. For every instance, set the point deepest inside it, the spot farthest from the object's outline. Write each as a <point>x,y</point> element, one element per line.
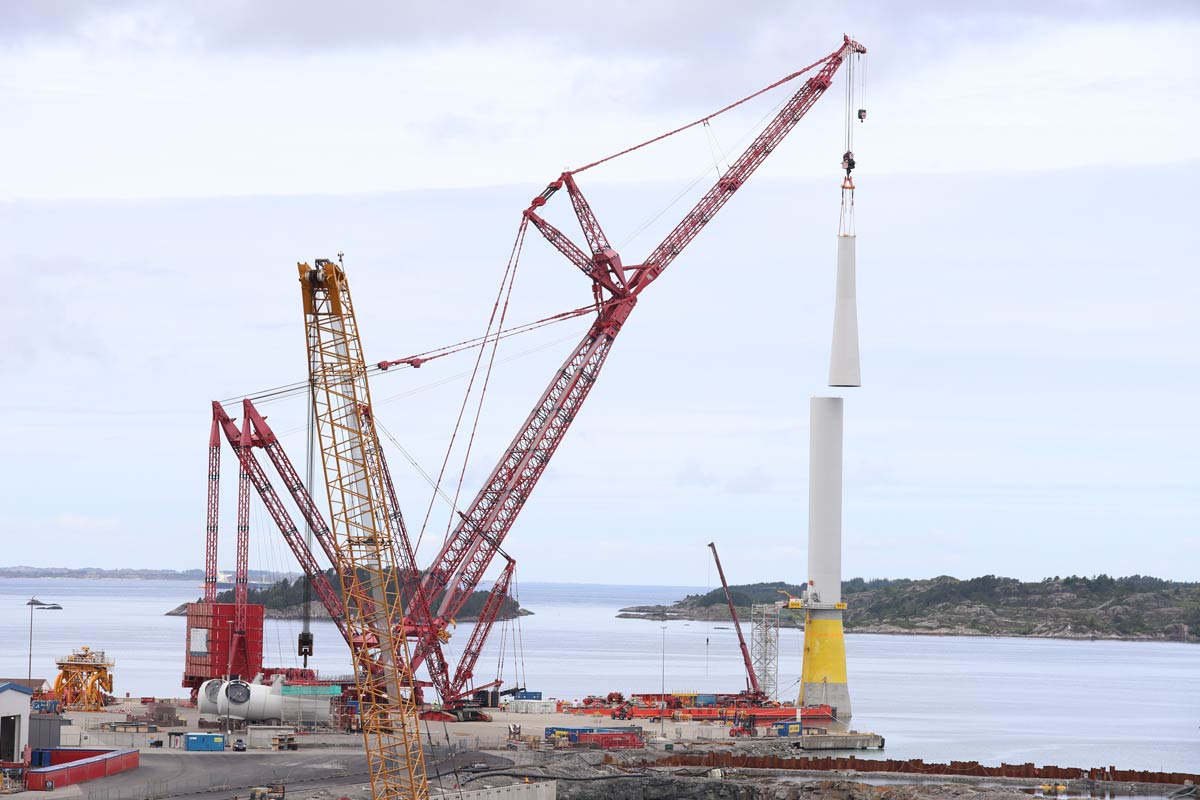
<point>1135,705</point>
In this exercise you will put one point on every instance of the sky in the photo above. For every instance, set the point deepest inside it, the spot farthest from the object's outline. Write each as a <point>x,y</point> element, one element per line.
<point>1027,279</point>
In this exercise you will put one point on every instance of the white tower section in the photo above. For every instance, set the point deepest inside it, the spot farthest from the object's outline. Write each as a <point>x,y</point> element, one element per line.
<point>825,501</point>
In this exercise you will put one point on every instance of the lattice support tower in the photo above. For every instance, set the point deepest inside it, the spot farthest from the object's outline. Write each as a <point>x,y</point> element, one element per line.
<point>764,646</point>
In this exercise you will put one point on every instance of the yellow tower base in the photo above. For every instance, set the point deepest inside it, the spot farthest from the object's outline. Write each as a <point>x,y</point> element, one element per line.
<point>823,676</point>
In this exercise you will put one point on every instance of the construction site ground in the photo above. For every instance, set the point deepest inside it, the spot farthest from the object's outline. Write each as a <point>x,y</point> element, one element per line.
<point>478,755</point>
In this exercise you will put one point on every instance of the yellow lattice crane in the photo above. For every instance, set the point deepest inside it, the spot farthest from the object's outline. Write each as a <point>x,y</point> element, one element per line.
<point>358,505</point>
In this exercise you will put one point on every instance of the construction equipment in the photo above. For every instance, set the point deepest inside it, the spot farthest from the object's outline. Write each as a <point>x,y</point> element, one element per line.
<point>743,725</point>
<point>366,540</point>
<point>458,568</point>
<point>754,692</point>
<point>362,529</point>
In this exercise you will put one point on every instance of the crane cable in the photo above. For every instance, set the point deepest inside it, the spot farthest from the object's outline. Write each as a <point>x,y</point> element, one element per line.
<point>487,377</point>
<point>703,120</point>
<point>287,390</point>
<point>508,270</point>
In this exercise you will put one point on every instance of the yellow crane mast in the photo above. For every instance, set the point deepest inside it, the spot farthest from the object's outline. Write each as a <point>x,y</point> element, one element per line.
<point>359,522</point>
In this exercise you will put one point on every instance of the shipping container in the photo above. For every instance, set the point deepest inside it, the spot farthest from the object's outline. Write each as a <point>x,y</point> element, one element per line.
<point>533,706</point>
<point>205,741</point>
<point>65,767</point>
<point>791,729</point>
<point>527,696</point>
<point>209,631</point>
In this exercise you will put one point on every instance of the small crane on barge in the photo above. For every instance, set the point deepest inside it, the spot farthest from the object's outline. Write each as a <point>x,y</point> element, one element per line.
<point>754,693</point>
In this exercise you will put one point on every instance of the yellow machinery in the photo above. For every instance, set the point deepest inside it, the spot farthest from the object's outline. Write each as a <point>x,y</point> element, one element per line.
<point>358,502</point>
<point>84,678</point>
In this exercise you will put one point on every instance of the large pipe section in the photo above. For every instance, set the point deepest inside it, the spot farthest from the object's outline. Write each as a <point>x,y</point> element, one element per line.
<point>823,675</point>
<point>844,366</point>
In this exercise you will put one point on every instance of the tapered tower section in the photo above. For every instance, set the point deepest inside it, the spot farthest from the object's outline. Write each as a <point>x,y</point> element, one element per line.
<point>823,676</point>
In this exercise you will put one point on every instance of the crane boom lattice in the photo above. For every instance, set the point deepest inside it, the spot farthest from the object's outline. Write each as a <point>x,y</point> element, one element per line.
<point>359,519</point>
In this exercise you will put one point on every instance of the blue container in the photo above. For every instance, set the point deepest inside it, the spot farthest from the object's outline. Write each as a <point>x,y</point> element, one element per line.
<point>571,734</point>
<point>787,728</point>
<point>706,700</point>
<point>41,758</point>
<point>528,696</point>
<point>204,741</point>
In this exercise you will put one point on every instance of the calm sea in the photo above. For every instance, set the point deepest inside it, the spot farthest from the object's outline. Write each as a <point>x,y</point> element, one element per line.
<point>1130,704</point>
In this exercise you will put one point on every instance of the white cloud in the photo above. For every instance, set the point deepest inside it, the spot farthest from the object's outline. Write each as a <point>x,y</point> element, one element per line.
<point>132,106</point>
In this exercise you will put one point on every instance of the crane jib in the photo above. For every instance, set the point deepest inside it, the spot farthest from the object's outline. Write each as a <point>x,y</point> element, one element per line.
<point>483,527</point>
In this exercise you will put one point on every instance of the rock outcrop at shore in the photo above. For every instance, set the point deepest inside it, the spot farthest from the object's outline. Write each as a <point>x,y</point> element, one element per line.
<point>1133,608</point>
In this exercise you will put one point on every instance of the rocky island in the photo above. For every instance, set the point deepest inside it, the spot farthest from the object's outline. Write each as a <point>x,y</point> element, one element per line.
<point>285,600</point>
<point>1100,607</point>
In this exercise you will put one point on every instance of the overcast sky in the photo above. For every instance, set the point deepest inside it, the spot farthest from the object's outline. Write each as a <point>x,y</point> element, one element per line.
<point>1028,282</point>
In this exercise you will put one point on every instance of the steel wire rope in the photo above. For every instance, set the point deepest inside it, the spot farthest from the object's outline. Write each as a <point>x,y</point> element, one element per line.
<point>459,376</point>
<point>513,255</point>
<point>523,675</point>
<point>500,651</point>
<point>458,781</point>
<point>415,465</point>
<point>275,560</point>
<point>263,542</point>
<point>452,378</point>
<point>286,390</point>
<point>714,147</point>
<point>268,553</point>
<point>511,276</point>
<point>702,120</point>
<point>697,180</point>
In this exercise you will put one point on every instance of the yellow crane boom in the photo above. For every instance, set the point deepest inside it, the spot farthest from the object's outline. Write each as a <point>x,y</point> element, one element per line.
<point>359,522</point>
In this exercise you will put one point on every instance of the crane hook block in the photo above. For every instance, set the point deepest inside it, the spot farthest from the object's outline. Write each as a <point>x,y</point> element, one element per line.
<point>862,115</point>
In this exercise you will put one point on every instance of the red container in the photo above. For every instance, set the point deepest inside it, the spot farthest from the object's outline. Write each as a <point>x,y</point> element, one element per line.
<point>76,766</point>
<point>210,633</point>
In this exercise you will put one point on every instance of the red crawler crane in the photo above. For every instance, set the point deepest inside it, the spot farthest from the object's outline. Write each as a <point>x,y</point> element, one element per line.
<point>474,542</point>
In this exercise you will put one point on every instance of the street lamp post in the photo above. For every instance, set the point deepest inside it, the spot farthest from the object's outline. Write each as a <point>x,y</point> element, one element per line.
<point>33,603</point>
<point>662,714</point>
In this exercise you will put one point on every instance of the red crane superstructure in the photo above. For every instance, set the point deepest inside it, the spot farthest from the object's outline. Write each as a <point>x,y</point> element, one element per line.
<point>470,548</point>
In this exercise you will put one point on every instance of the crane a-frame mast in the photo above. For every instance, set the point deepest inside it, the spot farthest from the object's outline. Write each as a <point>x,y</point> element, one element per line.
<point>359,520</point>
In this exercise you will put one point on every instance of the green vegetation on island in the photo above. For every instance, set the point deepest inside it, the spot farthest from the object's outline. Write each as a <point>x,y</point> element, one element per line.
<point>1099,607</point>
<point>284,599</point>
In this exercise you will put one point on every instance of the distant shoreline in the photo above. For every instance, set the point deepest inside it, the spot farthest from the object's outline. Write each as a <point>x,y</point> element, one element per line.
<point>96,573</point>
<point>662,614</point>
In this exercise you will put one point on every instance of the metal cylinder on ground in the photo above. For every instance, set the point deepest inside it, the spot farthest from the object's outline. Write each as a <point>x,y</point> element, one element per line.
<point>823,675</point>
<point>844,366</point>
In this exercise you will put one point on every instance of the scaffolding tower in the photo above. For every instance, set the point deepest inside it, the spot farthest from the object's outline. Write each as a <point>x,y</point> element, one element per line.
<point>764,646</point>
